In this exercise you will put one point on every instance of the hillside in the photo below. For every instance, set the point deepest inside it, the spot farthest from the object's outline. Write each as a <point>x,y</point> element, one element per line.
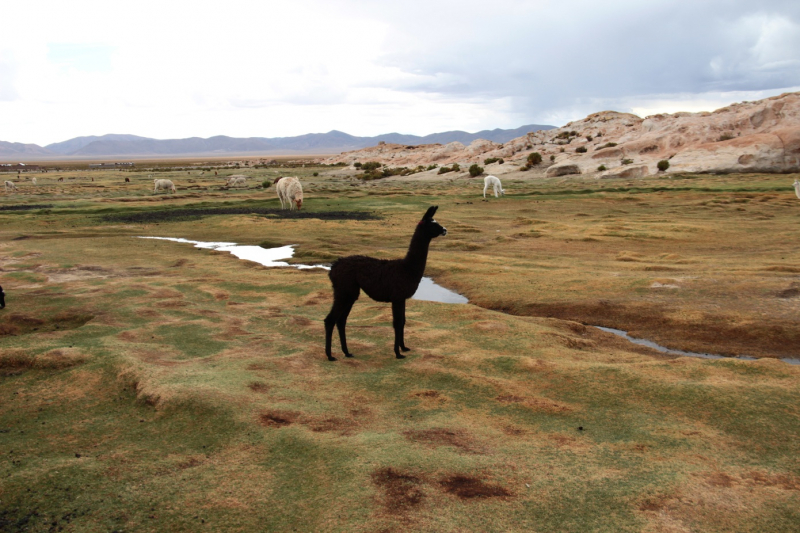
<point>332,142</point>
<point>760,136</point>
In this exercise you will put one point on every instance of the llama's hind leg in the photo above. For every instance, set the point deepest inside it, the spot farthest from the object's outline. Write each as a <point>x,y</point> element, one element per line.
<point>399,323</point>
<point>341,325</point>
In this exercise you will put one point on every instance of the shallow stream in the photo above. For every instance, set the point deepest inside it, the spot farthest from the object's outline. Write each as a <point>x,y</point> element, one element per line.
<point>428,290</point>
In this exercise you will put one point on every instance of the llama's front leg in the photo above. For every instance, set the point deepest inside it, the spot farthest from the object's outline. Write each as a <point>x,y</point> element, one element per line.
<point>330,321</point>
<point>399,323</point>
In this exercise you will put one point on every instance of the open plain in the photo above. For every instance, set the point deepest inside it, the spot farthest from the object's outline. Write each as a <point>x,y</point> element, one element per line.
<point>146,385</point>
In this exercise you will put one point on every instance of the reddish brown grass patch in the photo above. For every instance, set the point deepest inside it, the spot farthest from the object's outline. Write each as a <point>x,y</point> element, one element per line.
<point>468,488</point>
<point>443,437</point>
<point>277,418</point>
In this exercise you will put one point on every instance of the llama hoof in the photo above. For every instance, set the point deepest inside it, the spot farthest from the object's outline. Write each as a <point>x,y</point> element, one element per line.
<point>403,348</point>
<point>399,356</point>
<point>349,355</point>
<point>331,358</point>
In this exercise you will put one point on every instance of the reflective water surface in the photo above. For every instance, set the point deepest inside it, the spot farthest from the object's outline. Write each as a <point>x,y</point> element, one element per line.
<point>428,290</point>
<point>651,344</point>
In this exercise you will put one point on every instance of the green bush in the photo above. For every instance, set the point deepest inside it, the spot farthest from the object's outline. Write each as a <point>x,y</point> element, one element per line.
<point>663,165</point>
<point>607,145</point>
<point>475,170</point>
<point>725,137</point>
<point>370,166</point>
<point>552,158</point>
<point>456,168</point>
<point>589,138</point>
<point>315,174</point>
<point>534,158</point>
<point>561,150</point>
<point>524,168</point>
<point>265,184</point>
<point>580,149</point>
<point>528,147</point>
<point>490,160</point>
<point>444,170</point>
<point>626,161</point>
<point>501,161</point>
<point>357,164</point>
<point>601,168</point>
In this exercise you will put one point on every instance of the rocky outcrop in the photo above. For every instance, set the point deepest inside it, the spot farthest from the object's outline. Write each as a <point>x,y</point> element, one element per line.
<point>563,170</point>
<point>761,136</point>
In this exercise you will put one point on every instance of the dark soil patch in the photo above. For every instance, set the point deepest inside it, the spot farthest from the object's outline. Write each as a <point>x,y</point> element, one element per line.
<point>259,387</point>
<point>713,333</point>
<point>25,207</point>
<point>467,488</point>
<point>442,437</point>
<point>20,324</point>
<point>277,419</point>
<point>168,215</point>
<point>789,293</point>
<point>427,394</point>
<point>402,492</point>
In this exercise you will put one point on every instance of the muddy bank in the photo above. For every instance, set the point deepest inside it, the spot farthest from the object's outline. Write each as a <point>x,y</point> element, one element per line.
<point>714,333</point>
<point>169,215</point>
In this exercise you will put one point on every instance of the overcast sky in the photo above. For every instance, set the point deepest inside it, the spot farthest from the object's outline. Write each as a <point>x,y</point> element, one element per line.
<point>174,68</point>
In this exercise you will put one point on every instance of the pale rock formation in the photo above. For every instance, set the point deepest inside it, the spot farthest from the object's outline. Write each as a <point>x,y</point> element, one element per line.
<point>761,136</point>
<point>563,169</point>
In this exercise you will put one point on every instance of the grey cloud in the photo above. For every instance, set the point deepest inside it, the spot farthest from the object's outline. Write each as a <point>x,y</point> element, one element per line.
<point>548,55</point>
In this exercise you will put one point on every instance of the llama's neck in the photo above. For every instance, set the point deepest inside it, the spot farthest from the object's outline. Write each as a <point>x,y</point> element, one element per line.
<point>417,254</point>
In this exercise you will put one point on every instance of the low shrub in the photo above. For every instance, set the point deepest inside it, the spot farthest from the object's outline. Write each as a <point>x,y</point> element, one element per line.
<point>663,165</point>
<point>552,158</point>
<point>589,138</point>
<point>357,164</point>
<point>601,168</point>
<point>534,158</point>
<point>561,150</point>
<point>626,161</point>
<point>725,137</point>
<point>445,170</point>
<point>456,168</point>
<point>475,170</point>
<point>265,184</point>
<point>529,147</point>
<point>315,174</point>
<point>431,167</point>
<point>580,149</point>
<point>490,160</point>
<point>370,166</point>
<point>607,145</point>
<point>501,161</point>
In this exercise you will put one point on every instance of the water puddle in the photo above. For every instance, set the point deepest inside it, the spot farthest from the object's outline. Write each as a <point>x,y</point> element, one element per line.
<point>664,349</point>
<point>428,290</point>
<point>271,257</point>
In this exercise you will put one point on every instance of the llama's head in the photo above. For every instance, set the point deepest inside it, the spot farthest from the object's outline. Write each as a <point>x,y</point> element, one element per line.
<point>429,226</point>
<point>298,202</point>
<point>2,298</point>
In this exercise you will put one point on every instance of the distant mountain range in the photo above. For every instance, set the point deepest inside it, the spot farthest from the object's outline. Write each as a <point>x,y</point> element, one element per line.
<point>333,142</point>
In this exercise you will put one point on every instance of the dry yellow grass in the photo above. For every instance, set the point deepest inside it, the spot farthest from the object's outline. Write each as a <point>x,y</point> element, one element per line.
<point>149,386</point>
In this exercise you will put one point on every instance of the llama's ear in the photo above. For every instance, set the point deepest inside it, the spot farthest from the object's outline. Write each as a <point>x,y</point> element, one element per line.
<point>429,213</point>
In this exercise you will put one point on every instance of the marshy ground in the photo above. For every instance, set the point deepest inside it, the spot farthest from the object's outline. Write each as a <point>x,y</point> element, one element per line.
<point>147,385</point>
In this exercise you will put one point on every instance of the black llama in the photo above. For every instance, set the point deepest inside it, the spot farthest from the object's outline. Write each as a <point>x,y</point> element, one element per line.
<point>2,298</point>
<point>383,280</point>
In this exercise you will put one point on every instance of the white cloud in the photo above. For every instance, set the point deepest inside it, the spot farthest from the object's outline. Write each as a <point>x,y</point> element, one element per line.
<point>177,69</point>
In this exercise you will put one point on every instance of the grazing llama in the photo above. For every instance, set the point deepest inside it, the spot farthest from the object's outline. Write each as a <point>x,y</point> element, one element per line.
<point>797,188</point>
<point>2,299</point>
<point>494,181</point>
<point>383,280</point>
<point>290,193</point>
